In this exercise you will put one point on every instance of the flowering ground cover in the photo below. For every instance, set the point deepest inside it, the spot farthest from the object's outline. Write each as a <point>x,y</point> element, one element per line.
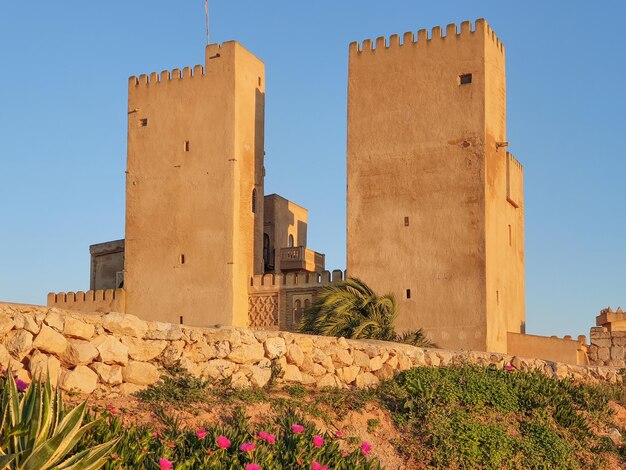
<point>455,417</point>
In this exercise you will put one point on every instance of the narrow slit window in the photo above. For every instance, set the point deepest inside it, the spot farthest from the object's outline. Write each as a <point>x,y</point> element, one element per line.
<point>259,81</point>
<point>465,79</point>
<point>182,259</point>
<point>181,319</point>
<point>254,201</point>
<point>143,122</point>
<point>186,146</point>
<point>497,297</point>
<point>406,221</point>
<point>408,294</point>
<point>510,236</point>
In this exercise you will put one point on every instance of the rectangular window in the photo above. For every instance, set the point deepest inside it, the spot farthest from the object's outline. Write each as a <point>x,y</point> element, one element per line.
<point>143,122</point>
<point>408,294</point>
<point>510,236</point>
<point>182,259</point>
<point>181,319</point>
<point>186,146</point>
<point>465,79</point>
<point>406,221</point>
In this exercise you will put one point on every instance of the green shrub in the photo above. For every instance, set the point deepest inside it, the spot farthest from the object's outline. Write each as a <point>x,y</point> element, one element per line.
<point>38,433</point>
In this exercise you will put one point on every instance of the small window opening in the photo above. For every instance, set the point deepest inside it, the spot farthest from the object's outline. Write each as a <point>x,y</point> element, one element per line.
<point>498,297</point>
<point>186,146</point>
<point>181,319</point>
<point>143,122</point>
<point>290,241</point>
<point>510,236</point>
<point>406,221</point>
<point>297,312</point>
<point>259,81</point>
<point>254,201</point>
<point>182,259</point>
<point>408,293</point>
<point>465,79</point>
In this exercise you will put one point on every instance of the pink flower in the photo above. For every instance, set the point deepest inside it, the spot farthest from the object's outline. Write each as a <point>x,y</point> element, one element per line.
<point>201,433</point>
<point>247,447</point>
<point>155,434</point>
<point>253,466</point>
<point>223,442</point>
<point>509,367</point>
<point>111,409</point>
<point>297,428</point>
<point>338,433</point>
<point>165,464</point>
<point>170,444</point>
<point>344,454</point>
<point>21,385</point>
<point>318,441</point>
<point>269,438</point>
<point>318,466</point>
<point>365,447</point>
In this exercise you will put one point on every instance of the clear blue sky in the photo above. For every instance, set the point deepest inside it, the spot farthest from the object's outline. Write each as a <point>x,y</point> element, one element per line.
<point>63,85</point>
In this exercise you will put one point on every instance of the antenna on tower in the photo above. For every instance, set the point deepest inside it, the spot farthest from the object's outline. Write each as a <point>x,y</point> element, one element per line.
<point>206,11</point>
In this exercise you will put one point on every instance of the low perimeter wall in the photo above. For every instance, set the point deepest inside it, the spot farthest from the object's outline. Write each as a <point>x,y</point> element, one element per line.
<point>123,353</point>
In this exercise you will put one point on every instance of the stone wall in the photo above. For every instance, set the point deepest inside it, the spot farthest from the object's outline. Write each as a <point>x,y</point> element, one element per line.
<point>608,348</point>
<point>122,353</point>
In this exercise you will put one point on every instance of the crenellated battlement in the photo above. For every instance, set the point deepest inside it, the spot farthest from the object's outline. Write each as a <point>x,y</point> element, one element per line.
<point>293,280</point>
<point>109,300</point>
<point>425,37</point>
<point>212,51</point>
<point>514,161</point>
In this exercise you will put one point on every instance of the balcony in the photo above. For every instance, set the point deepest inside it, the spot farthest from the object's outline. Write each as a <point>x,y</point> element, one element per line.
<point>300,258</point>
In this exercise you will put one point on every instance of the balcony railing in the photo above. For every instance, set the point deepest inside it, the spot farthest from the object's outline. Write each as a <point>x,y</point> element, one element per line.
<point>300,258</point>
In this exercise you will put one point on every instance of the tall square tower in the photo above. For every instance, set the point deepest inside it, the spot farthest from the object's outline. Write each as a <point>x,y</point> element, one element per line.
<point>194,189</point>
<point>435,202</point>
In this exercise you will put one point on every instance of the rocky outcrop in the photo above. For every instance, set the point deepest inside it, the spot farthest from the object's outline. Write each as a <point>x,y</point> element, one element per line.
<point>123,353</point>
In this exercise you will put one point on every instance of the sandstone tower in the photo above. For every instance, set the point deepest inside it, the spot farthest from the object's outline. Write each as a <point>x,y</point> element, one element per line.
<point>435,202</point>
<point>194,189</point>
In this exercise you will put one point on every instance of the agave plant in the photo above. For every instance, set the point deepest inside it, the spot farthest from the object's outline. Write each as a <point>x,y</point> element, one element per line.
<point>353,310</point>
<point>37,434</point>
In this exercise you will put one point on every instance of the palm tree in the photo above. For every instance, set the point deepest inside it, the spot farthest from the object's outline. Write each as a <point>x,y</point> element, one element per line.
<point>353,310</point>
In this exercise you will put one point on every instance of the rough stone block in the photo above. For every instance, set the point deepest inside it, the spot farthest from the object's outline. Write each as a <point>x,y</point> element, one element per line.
<point>6,323</point>
<point>50,340</point>
<point>292,374</point>
<point>247,353</point>
<point>82,378</point>
<point>79,352</point>
<point>124,324</point>
<point>140,373</point>
<point>111,375</point>
<point>78,329</point>
<point>295,355</point>
<point>54,319</point>
<point>367,380</point>
<point>617,352</point>
<point>19,343</point>
<point>275,347</point>
<point>602,343</point>
<point>111,350</point>
<point>145,350</point>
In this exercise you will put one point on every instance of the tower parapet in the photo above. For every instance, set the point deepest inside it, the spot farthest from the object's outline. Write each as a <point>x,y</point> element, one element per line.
<point>425,37</point>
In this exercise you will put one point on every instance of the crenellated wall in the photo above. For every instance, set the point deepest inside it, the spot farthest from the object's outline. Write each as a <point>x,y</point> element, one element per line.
<point>276,301</point>
<point>109,300</point>
<point>423,37</point>
<point>120,353</point>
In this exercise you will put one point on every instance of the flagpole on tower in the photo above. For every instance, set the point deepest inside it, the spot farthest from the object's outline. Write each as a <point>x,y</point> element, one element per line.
<point>206,10</point>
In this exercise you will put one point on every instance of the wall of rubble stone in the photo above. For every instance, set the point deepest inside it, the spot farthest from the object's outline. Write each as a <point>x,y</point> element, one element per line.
<point>608,348</point>
<point>123,353</point>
